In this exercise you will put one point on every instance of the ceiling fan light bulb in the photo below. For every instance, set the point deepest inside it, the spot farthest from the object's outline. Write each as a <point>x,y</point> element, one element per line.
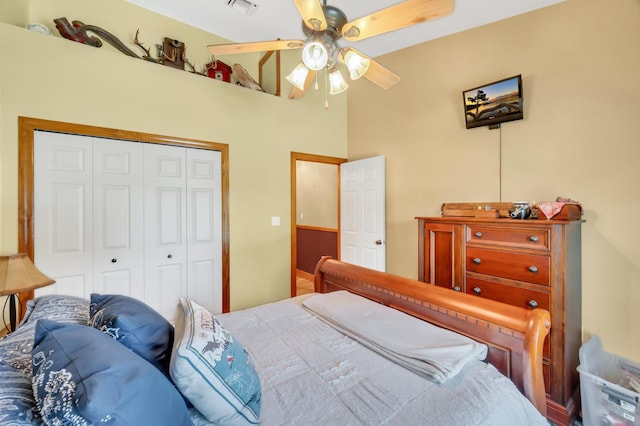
<point>336,82</point>
<point>315,55</point>
<point>298,76</point>
<point>356,64</point>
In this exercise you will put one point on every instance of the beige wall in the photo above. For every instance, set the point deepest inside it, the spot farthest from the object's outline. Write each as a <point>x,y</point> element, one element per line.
<point>56,79</point>
<point>317,194</point>
<point>580,138</point>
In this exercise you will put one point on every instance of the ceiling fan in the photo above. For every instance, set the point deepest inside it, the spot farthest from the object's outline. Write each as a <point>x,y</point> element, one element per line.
<point>325,25</point>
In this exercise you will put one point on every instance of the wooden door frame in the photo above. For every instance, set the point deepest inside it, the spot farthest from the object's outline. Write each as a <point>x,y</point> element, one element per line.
<point>26,129</point>
<point>313,158</point>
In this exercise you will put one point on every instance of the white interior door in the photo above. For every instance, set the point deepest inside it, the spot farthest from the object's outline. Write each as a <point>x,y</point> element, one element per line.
<point>165,227</point>
<point>204,228</point>
<point>118,217</point>
<point>362,213</point>
<point>63,212</point>
<point>118,239</point>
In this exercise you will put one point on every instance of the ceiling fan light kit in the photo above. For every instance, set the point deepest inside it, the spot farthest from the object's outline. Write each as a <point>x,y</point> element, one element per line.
<point>298,76</point>
<point>336,82</point>
<point>324,25</point>
<point>315,55</point>
<point>357,64</point>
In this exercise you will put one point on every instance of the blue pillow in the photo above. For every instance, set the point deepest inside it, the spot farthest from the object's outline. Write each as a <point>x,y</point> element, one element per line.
<point>134,324</point>
<point>82,376</point>
<point>213,370</point>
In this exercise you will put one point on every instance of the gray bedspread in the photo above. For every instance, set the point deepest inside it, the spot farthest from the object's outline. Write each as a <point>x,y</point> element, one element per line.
<point>314,375</point>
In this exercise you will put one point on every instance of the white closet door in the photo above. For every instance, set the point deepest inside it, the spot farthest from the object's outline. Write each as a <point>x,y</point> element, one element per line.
<point>204,228</point>
<point>118,254</point>
<point>118,217</point>
<point>63,212</point>
<point>165,227</point>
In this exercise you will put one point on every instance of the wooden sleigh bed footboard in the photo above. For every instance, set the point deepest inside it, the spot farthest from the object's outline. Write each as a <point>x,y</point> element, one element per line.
<point>513,335</point>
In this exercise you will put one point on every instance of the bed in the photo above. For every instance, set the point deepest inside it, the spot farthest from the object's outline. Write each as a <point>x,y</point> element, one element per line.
<point>336,356</point>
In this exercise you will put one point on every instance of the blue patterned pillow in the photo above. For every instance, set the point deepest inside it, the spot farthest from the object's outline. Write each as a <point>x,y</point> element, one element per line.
<point>134,324</point>
<point>213,370</point>
<point>17,403</point>
<point>82,376</point>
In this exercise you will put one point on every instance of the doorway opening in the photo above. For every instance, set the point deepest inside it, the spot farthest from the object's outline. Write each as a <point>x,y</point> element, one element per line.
<point>315,212</point>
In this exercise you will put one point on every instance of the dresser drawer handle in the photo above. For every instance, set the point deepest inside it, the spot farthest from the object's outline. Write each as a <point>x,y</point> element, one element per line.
<point>477,290</point>
<point>477,260</point>
<point>456,288</point>
<point>478,234</point>
<point>533,269</point>
<point>532,303</point>
<point>533,238</point>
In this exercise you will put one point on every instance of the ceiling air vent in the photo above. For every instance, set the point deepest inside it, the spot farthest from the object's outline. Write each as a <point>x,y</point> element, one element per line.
<point>242,6</point>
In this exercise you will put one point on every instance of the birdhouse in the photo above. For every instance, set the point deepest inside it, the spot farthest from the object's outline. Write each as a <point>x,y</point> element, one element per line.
<point>218,70</point>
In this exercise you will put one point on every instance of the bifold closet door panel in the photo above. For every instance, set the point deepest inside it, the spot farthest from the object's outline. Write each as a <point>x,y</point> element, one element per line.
<point>118,239</point>
<point>63,212</point>
<point>204,228</point>
<point>165,277</point>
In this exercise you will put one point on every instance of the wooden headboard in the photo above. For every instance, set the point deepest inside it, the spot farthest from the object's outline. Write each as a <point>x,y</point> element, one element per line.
<point>514,335</point>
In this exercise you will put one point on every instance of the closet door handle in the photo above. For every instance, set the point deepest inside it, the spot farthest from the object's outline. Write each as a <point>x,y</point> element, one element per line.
<point>533,269</point>
<point>477,290</point>
<point>114,260</point>
<point>532,303</point>
<point>477,260</point>
<point>533,238</point>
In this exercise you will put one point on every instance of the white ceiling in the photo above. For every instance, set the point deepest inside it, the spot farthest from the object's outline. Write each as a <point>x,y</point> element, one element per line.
<point>275,19</point>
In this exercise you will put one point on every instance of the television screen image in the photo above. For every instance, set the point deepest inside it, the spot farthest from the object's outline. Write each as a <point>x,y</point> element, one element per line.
<point>494,103</point>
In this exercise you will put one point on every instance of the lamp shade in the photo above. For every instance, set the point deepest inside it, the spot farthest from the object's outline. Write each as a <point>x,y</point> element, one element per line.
<point>315,55</point>
<point>336,82</point>
<point>18,274</point>
<point>356,63</point>
<point>298,76</point>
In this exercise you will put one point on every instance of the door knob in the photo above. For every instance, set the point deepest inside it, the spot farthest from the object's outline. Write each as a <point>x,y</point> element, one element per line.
<point>378,242</point>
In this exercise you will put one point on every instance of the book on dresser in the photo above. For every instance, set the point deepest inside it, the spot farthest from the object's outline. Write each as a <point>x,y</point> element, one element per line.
<point>528,263</point>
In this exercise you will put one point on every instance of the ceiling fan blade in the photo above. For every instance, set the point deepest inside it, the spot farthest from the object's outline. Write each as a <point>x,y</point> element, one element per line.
<point>381,76</point>
<point>312,14</point>
<point>296,93</point>
<point>398,16</point>
<point>257,46</point>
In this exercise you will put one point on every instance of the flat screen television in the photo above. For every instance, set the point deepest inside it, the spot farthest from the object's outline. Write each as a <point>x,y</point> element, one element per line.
<point>493,103</point>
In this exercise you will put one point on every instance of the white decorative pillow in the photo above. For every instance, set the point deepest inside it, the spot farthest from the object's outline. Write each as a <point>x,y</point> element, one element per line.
<point>212,370</point>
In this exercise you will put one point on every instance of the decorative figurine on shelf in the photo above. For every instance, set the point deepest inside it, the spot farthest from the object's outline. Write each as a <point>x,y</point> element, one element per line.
<point>172,53</point>
<point>244,79</point>
<point>77,31</point>
<point>218,70</point>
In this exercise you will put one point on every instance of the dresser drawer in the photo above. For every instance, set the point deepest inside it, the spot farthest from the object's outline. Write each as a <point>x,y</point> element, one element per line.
<point>515,296</point>
<point>531,268</point>
<point>512,237</point>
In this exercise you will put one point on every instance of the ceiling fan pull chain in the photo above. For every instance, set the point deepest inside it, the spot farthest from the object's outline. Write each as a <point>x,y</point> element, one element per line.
<point>326,89</point>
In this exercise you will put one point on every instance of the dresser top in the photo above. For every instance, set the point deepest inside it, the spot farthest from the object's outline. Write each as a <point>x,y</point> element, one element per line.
<point>500,221</point>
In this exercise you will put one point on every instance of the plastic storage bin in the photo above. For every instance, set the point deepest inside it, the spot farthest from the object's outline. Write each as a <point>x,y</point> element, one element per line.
<point>606,397</point>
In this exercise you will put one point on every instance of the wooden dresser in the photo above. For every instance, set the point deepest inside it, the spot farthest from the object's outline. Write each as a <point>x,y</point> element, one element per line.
<point>528,263</point>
